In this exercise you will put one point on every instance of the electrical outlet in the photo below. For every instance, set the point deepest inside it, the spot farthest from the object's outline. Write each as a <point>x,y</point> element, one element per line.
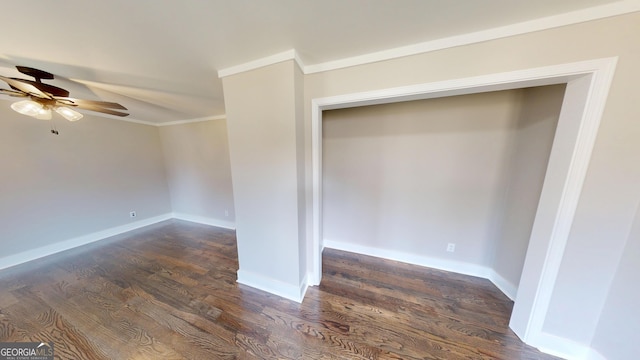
<point>451,247</point>
<point>226,213</point>
<point>132,214</point>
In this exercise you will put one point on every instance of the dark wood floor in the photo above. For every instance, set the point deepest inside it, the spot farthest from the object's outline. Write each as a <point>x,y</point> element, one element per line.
<point>170,292</point>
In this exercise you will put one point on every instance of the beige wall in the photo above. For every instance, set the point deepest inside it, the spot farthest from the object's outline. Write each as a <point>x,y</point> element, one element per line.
<point>198,170</point>
<point>412,177</point>
<point>611,191</point>
<point>85,180</point>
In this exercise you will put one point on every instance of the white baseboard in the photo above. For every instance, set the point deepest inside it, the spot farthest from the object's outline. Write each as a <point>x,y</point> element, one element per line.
<point>205,220</point>
<point>503,284</point>
<point>33,254</point>
<point>595,355</point>
<point>273,286</point>
<point>303,287</point>
<point>564,348</point>
<point>440,264</point>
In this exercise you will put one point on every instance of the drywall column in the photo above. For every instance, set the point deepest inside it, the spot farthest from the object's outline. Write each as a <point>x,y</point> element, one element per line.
<point>263,145</point>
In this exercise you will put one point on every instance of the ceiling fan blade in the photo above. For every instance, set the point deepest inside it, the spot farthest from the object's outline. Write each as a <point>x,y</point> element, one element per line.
<point>13,93</point>
<point>79,102</point>
<point>25,87</point>
<point>38,74</point>
<point>102,110</point>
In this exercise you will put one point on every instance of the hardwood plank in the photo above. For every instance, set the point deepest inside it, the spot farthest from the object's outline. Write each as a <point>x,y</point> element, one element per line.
<point>40,322</point>
<point>169,291</point>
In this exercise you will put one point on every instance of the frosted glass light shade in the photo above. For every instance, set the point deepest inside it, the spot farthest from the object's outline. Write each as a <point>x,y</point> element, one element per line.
<point>28,107</point>
<point>68,113</point>
<point>44,114</point>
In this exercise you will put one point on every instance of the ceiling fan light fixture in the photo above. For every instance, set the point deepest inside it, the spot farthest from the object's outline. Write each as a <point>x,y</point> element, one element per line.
<point>44,114</point>
<point>28,107</point>
<point>68,113</point>
<point>43,98</point>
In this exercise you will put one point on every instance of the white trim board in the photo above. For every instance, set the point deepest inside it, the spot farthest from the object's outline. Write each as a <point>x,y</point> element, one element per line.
<point>291,54</point>
<point>507,288</point>
<point>594,355</point>
<point>125,119</point>
<point>435,263</point>
<point>586,93</point>
<point>189,121</point>
<point>408,258</point>
<point>276,287</point>
<point>40,252</point>
<point>225,224</point>
<point>168,123</point>
<point>37,253</point>
<point>565,348</point>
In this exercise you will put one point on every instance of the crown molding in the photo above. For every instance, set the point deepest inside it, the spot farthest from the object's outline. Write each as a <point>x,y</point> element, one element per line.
<point>125,119</point>
<point>189,121</point>
<point>169,123</point>
<point>262,62</point>
<point>550,22</point>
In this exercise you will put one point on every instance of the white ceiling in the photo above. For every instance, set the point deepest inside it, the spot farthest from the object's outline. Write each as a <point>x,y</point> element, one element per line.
<point>160,58</point>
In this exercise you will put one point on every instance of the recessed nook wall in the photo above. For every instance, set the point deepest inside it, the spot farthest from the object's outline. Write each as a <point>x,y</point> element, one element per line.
<point>408,178</point>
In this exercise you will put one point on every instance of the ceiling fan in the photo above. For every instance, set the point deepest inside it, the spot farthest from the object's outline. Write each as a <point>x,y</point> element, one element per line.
<point>45,97</point>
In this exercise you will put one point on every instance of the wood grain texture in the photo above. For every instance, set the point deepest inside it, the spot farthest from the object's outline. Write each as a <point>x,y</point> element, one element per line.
<point>169,291</point>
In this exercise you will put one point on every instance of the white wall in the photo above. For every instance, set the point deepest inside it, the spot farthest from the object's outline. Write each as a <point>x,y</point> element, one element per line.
<point>618,332</point>
<point>411,177</point>
<point>414,176</point>
<point>85,180</point>
<point>199,171</point>
<point>529,156</point>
